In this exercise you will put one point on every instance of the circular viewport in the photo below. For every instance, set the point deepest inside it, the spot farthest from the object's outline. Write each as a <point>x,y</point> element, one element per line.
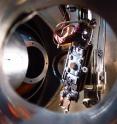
<point>96,53</point>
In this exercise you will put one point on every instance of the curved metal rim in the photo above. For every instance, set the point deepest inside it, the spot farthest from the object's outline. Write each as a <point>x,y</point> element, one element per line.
<point>97,115</point>
<point>55,63</point>
<point>46,62</point>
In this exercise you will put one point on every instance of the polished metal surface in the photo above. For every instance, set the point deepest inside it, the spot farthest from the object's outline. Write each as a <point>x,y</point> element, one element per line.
<point>46,62</point>
<point>51,16</point>
<point>14,109</point>
<point>15,60</point>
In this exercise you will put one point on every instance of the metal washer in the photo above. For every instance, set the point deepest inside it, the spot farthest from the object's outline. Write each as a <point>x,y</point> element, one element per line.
<point>46,62</point>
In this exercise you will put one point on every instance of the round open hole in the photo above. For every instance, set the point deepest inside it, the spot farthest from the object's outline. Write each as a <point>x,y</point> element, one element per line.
<point>37,62</point>
<point>91,115</point>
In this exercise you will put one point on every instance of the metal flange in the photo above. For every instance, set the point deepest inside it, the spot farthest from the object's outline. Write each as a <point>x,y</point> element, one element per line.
<point>46,62</point>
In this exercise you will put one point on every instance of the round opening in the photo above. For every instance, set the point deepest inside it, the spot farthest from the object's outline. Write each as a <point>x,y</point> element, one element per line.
<point>91,65</point>
<point>99,65</point>
<point>101,112</point>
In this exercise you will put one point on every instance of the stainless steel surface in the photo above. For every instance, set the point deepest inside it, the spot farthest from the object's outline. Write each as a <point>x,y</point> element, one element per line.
<point>46,62</point>
<point>15,60</point>
<point>111,56</point>
<point>51,16</point>
<point>104,113</point>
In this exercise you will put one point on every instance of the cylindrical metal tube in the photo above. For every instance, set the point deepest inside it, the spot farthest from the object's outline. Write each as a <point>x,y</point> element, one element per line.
<point>16,110</point>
